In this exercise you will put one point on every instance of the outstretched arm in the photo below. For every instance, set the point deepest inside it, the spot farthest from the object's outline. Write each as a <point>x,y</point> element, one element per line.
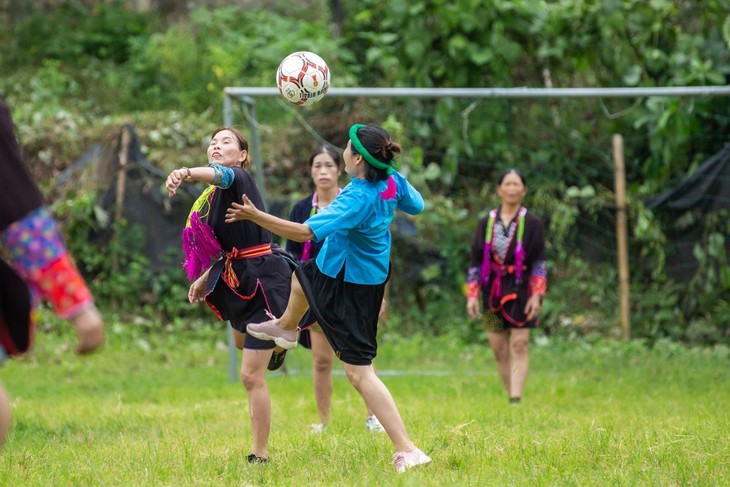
<point>177,176</point>
<point>299,232</point>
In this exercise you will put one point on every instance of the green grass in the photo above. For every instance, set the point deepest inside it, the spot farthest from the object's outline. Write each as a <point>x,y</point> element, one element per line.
<point>162,411</point>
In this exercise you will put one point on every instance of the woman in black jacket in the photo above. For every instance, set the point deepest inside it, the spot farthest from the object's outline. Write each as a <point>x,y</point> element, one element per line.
<point>508,271</point>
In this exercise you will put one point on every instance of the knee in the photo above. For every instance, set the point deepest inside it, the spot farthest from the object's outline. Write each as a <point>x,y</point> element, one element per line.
<point>520,346</point>
<point>355,377</point>
<point>322,365</point>
<point>251,380</point>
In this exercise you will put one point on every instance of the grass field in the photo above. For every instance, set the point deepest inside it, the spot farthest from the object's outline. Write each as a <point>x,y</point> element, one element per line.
<point>162,411</point>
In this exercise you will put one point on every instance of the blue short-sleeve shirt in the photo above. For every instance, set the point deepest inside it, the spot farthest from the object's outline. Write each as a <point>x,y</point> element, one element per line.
<point>355,227</point>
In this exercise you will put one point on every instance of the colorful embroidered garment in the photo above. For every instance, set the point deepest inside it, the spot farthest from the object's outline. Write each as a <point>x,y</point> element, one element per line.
<point>500,256</point>
<point>38,254</point>
<point>503,240</point>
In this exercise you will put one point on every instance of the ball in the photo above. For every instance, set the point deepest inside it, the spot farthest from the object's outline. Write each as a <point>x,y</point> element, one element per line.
<point>303,78</point>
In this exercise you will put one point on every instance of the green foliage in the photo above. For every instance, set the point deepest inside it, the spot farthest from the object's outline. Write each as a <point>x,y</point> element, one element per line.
<point>655,311</point>
<point>640,43</point>
<point>649,239</point>
<point>123,60</point>
<point>76,71</point>
<point>397,41</point>
<point>562,43</point>
<point>706,303</point>
<point>228,46</point>
<point>74,33</point>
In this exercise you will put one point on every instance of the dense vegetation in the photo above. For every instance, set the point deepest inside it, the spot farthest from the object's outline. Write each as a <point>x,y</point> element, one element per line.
<point>74,75</point>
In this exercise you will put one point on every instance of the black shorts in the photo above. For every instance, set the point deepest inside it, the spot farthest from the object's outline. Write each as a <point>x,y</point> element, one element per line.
<point>346,312</point>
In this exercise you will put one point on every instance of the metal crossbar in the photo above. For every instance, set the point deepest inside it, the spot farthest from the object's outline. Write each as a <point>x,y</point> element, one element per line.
<point>520,92</point>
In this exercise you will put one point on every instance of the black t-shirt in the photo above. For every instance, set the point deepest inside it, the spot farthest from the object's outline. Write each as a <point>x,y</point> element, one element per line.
<point>240,234</point>
<point>269,274</point>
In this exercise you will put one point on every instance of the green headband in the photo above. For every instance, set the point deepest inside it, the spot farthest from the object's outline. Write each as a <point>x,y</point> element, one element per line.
<point>364,152</point>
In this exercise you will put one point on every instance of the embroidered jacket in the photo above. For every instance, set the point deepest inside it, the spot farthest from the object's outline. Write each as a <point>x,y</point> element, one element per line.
<point>503,291</point>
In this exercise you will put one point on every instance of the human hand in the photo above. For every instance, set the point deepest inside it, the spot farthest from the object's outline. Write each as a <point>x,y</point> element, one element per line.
<point>244,211</point>
<point>196,293</point>
<point>472,308</point>
<point>175,179</point>
<point>89,330</point>
<point>533,307</point>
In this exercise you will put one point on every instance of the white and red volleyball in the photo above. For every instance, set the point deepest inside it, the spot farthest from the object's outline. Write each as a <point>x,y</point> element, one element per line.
<point>303,78</point>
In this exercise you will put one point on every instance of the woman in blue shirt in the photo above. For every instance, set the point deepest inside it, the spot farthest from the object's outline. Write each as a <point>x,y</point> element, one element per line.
<point>345,284</point>
<point>325,168</point>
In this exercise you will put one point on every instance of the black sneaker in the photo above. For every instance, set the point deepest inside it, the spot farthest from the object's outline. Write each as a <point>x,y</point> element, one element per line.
<point>252,458</point>
<point>276,360</point>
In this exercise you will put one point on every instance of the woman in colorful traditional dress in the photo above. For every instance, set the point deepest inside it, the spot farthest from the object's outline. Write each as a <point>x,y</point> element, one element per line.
<point>38,266</point>
<point>249,280</point>
<point>345,285</point>
<point>325,168</point>
<point>508,271</point>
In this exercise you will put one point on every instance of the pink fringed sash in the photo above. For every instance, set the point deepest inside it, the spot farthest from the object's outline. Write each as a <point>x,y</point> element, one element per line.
<point>200,246</point>
<point>486,270</point>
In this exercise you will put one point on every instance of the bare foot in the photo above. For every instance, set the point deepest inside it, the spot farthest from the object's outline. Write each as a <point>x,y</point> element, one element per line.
<point>89,330</point>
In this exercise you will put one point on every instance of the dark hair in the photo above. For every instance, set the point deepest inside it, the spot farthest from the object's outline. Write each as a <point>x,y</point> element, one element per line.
<point>376,140</point>
<point>326,149</point>
<point>242,142</point>
<point>511,170</point>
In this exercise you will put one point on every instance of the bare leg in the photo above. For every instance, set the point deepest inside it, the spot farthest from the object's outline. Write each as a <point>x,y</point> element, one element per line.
<point>499,342</point>
<point>295,308</point>
<point>519,344</point>
<point>323,356</point>
<point>380,401</point>
<point>4,415</point>
<point>238,338</point>
<point>253,375</point>
<point>367,408</point>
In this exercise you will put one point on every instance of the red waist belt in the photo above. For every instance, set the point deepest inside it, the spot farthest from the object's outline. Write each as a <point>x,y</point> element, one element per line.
<point>256,251</point>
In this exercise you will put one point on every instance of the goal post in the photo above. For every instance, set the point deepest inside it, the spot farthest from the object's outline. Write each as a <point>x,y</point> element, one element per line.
<point>247,96</point>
